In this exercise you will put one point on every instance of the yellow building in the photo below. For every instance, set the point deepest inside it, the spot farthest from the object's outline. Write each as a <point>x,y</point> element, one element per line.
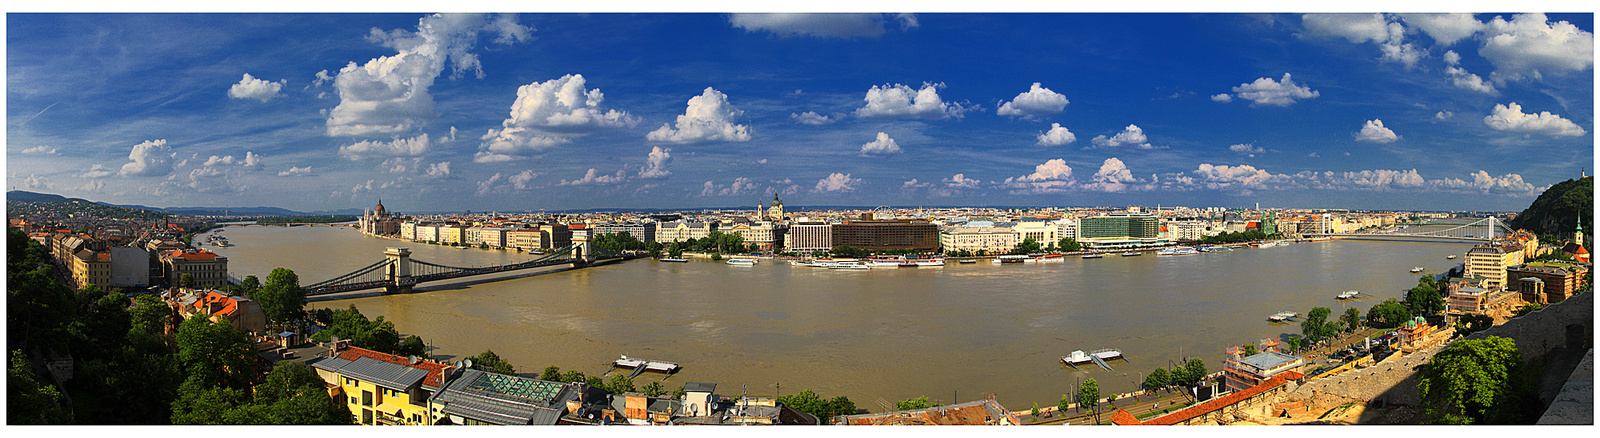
<point>1491,260</point>
<point>384,389</point>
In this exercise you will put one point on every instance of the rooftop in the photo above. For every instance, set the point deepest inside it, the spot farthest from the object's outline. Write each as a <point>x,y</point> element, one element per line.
<point>1269,359</point>
<point>503,399</point>
<point>434,370</point>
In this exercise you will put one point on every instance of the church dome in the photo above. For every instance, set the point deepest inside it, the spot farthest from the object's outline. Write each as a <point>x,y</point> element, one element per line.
<point>379,208</point>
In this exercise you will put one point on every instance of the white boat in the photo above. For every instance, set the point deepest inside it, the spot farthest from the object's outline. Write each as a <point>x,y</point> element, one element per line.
<point>1093,256</point>
<point>1348,295</point>
<point>1176,251</point>
<point>1010,259</point>
<point>1280,316</point>
<point>1132,254</point>
<point>1269,244</point>
<point>1451,257</point>
<point>849,266</point>
<point>674,259</point>
<point>741,262</point>
<point>808,263</point>
<point>1216,249</point>
<point>1417,269</point>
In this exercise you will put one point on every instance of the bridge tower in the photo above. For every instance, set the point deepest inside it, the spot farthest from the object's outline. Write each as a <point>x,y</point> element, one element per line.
<point>578,259</point>
<point>399,270</point>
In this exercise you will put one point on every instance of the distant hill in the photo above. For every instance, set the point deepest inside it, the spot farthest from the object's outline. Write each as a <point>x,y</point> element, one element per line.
<point>25,196</point>
<point>1556,211</point>
<point>22,196</point>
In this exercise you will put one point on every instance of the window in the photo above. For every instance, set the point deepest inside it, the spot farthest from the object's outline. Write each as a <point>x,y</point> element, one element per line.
<point>366,398</point>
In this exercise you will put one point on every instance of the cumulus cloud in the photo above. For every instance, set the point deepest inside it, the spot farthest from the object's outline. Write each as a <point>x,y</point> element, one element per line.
<point>1130,136</point>
<point>543,110</point>
<point>296,171</point>
<point>1223,176</point>
<point>1057,135</point>
<point>34,182</point>
<point>1511,118</point>
<point>1246,148</point>
<point>499,183</point>
<point>1381,179</point>
<point>837,182</point>
<point>151,158</point>
<point>1357,28</point>
<point>520,181</point>
<point>656,163</point>
<point>212,180</point>
<point>900,101</point>
<point>252,88</point>
<point>1461,78</point>
<point>1224,98</point>
<point>708,118</point>
<point>40,150</point>
<point>1265,91</point>
<point>1034,103</point>
<point>93,186</point>
<point>881,146</point>
<point>438,170</point>
<point>1395,49</point>
<point>960,181</point>
<point>1051,177</point>
<point>412,147</point>
<point>98,171</point>
<point>1374,132</point>
<point>820,25</point>
<point>389,94</point>
<point>739,186</point>
<point>1113,176</point>
<point>250,161</point>
<point>1445,29</point>
<point>1528,46</point>
<point>594,178</point>
<point>1481,181</point>
<point>1444,115</point>
<point>487,186</point>
<point>811,118</point>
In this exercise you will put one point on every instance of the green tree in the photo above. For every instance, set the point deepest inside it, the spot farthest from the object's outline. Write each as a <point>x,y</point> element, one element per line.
<point>1315,328</point>
<point>808,402</point>
<point>294,394</point>
<point>654,248</point>
<point>1064,404</point>
<point>914,403</point>
<point>576,376</point>
<point>250,283</point>
<point>1089,397</point>
<point>1027,246</point>
<point>620,384</point>
<point>1473,381</point>
<point>1194,371</point>
<point>1250,350</point>
<point>281,298</point>
<point>213,354</point>
<point>1069,244</point>
<point>675,250</point>
<point>1424,299</point>
<point>413,346</point>
<point>551,373</point>
<point>1157,379</point>
<point>1351,320</point>
<point>1472,323</point>
<point>376,335</point>
<point>149,315</point>
<point>1390,313</point>
<point>1526,309</point>
<point>654,389</point>
<point>488,361</point>
<point>30,401</point>
<point>847,251</point>
<point>186,280</point>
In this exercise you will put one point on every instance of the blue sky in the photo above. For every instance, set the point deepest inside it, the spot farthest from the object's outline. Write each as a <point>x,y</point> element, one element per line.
<point>571,111</point>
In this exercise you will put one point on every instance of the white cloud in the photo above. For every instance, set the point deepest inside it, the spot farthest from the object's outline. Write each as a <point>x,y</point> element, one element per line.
<point>296,171</point>
<point>1445,29</point>
<point>34,182</point>
<point>490,157</point>
<point>1357,28</point>
<point>1113,176</point>
<point>215,160</point>
<point>1461,78</point>
<point>1224,98</point>
<point>1396,50</point>
<point>882,146</point>
<point>811,118</point>
<point>1444,115</point>
<point>1036,102</point>
<point>1381,179</point>
<point>913,184</point>
<point>1245,176</point>
<point>398,147</point>
<point>1265,91</point>
<point>1511,118</point>
<point>656,163</point>
<point>837,182</point>
<point>40,150</point>
<point>1246,149</point>
<point>1051,177</point>
<point>709,117</point>
<point>1057,135</point>
<point>321,78</point>
<point>960,181</point>
<point>252,88</point>
<point>98,171</point>
<point>487,186</point>
<point>1529,47</point>
<point>1130,136</point>
<point>520,181</point>
<point>900,101</point>
<point>250,161</point>
<point>438,170</point>
<point>1483,182</point>
<point>211,180</point>
<point>151,158</point>
<point>561,105</point>
<point>819,25</point>
<point>593,178</point>
<point>739,186</point>
<point>1373,131</point>
<point>92,186</point>
<point>389,94</point>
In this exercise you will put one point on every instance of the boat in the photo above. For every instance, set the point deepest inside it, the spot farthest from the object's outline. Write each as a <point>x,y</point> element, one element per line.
<point>1348,295</point>
<point>641,365</point>
<point>673,259</point>
<point>919,262</point>
<point>1451,257</point>
<point>967,261</point>
<point>1417,269</point>
<point>853,266</point>
<point>1280,316</point>
<point>1215,249</point>
<point>741,262</point>
<point>1076,357</point>
<point>1269,244</point>
<point>1010,259</point>
<point>1093,256</point>
<point>1132,254</point>
<point>1176,251</point>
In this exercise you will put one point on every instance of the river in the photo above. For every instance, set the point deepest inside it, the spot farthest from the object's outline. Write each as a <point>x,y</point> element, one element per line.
<point>953,333</point>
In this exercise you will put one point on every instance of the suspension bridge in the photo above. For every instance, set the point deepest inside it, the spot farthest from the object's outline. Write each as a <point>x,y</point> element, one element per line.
<point>1481,230</point>
<point>399,273</point>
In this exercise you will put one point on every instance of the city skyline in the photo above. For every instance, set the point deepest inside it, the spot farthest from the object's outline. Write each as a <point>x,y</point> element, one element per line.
<point>566,111</point>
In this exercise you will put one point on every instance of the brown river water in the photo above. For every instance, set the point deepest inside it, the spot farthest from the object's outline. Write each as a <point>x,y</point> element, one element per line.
<point>957,332</point>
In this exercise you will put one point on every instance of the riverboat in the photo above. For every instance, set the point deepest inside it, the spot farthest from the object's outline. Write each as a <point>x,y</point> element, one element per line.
<point>1348,295</point>
<point>1010,259</point>
<point>1418,269</point>
<point>917,262</point>
<point>967,261</point>
<point>1177,251</point>
<point>849,266</point>
<point>1281,316</point>
<point>1450,257</point>
<point>741,262</point>
<point>673,260</point>
<point>1093,256</point>
<point>1132,254</point>
<point>1269,244</point>
<point>1215,249</point>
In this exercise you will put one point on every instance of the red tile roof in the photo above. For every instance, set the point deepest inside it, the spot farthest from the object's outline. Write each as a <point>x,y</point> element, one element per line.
<point>193,254</point>
<point>1124,418</point>
<point>435,370</point>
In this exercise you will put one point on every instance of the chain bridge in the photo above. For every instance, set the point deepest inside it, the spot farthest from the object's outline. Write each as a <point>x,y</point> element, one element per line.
<point>399,273</point>
<point>1481,230</point>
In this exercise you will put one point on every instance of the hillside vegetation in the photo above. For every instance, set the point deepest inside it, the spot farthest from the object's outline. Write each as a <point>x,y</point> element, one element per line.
<point>1556,211</point>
